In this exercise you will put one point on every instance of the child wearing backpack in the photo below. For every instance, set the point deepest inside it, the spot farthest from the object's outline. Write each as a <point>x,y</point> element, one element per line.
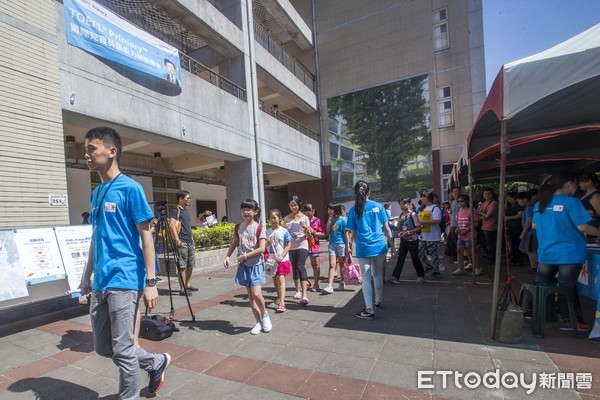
<point>250,241</point>
<point>278,263</point>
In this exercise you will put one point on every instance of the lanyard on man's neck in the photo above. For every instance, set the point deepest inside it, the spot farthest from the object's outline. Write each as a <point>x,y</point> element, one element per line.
<point>97,211</point>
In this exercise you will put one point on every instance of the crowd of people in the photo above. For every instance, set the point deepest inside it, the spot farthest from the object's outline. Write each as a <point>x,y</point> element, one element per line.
<point>369,230</point>
<point>553,225</point>
<point>289,242</point>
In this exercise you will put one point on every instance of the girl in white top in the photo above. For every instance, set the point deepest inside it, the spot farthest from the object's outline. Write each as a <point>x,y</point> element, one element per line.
<point>278,264</point>
<point>297,225</point>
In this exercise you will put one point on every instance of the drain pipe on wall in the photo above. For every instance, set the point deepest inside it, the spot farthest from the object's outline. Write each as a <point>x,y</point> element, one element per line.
<point>318,82</point>
<point>254,105</point>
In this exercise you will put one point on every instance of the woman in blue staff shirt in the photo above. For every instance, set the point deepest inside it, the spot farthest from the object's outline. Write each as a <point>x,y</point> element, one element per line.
<point>561,223</point>
<point>367,222</point>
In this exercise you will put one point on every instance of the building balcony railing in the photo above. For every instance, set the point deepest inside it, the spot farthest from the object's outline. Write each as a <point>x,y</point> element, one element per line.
<point>202,71</point>
<point>274,112</point>
<point>272,45</point>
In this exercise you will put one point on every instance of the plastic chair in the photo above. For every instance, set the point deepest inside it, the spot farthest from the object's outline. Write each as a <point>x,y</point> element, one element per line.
<point>540,311</point>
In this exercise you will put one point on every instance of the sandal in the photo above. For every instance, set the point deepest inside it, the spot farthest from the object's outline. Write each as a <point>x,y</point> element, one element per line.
<point>277,301</point>
<point>281,308</point>
<point>314,288</point>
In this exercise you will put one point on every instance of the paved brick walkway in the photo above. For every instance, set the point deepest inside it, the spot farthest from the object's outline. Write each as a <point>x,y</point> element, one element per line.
<point>319,352</point>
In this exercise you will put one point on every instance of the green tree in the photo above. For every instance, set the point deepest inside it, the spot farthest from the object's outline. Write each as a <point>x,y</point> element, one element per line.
<point>389,123</point>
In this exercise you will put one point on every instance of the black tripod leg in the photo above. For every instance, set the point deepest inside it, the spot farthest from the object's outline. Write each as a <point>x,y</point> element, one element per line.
<point>171,252</point>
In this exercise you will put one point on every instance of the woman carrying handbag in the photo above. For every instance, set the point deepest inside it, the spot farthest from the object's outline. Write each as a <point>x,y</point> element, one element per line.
<point>367,222</point>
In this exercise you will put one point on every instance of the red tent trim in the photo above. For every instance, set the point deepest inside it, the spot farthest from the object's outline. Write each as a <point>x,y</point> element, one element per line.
<point>533,138</point>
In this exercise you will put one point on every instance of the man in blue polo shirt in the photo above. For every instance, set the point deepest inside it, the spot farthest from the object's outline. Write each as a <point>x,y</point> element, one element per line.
<point>123,271</point>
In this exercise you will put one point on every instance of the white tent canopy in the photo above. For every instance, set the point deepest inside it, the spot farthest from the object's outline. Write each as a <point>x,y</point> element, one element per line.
<point>550,103</point>
<point>542,113</point>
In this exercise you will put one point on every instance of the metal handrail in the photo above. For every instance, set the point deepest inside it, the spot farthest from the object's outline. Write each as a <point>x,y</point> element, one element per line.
<point>274,112</point>
<point>202,71</point>
<point>272,45</point>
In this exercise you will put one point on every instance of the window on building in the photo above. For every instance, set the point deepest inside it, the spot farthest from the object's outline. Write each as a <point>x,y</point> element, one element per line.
<point>346,153</point>
<point>447,169</point>
<point>333,151</point>
<point>440,30</point>
<point>333,125</point>
<point>347,179</point>
<point>165,189</point>
<point>445,188</point>
<point>444,100</point>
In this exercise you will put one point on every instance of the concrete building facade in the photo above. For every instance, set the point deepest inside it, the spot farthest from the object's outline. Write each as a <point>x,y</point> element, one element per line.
<point>217,138</point>
<point>254,75</point>
<point>363,44</point>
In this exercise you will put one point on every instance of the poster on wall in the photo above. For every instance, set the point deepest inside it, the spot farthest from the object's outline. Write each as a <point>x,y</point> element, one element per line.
<point>11,272</point>
<point>99,31</point>
<point>74,242</point>
<point>382,135</point>
<point>39,254</point>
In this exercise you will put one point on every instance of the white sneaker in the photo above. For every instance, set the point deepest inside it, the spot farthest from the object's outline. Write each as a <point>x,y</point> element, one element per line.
<point>420,280</point>
<point>478,271</point>
<point>266,323</point>
<point>341,286</point>
<point>458,272</point>
<point>257,328</point>
<point>328,289</point>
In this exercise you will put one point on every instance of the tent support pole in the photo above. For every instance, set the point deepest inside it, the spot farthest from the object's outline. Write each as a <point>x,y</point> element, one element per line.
<point>500,231</point>
<point>472,223</point>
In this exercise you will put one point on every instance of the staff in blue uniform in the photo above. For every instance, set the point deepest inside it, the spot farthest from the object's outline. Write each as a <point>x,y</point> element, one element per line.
<point>561,223</point>
<point>367,222</point>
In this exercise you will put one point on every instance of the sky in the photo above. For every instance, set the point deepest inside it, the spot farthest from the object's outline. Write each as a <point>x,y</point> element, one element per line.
<point>514,29</point>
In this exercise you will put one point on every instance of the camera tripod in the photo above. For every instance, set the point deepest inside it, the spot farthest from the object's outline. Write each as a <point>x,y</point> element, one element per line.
<point>163,229</point>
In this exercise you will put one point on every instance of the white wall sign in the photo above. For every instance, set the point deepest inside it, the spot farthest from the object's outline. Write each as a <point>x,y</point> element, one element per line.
<point>39,254</point>
<point>74,242</point>
<point>58,200</point>
<point>11,272</point>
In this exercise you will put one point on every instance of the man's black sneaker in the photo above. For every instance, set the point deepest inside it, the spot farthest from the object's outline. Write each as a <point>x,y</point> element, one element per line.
<point>378,304</point>
<point>364,314</point>
<point>157,377</point>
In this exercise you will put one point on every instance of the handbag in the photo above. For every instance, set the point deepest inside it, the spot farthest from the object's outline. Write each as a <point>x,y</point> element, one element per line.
<point>509,317</point>
<point>351,271</point>
<point>156,327</point>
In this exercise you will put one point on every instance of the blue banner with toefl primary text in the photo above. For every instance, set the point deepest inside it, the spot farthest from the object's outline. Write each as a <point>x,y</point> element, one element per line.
<point>97,30</point>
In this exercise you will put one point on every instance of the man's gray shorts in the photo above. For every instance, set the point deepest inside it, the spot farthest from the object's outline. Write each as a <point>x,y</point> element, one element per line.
<point>186,255</point>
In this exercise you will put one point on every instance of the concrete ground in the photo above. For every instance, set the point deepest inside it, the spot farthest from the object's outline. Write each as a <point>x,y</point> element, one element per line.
<point>318,352</point>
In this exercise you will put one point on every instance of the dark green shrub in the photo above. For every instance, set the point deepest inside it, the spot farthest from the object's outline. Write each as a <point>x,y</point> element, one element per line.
<point>215,237</point>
